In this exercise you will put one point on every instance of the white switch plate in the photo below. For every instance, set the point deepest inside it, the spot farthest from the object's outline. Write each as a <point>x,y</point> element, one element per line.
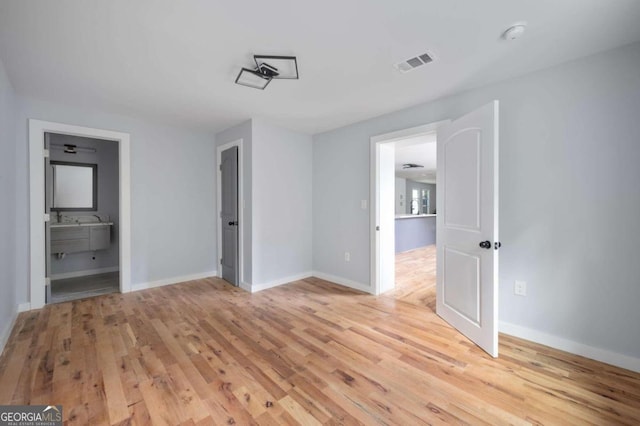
<point>520,288</point>
<point>363,204</point>
<point>347,256</point>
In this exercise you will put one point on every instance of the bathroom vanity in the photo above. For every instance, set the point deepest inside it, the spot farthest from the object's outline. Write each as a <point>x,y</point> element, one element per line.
<point>73,237</point>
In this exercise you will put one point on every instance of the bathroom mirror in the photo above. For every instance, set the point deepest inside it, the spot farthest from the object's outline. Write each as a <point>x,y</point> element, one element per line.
<point>75,186</point>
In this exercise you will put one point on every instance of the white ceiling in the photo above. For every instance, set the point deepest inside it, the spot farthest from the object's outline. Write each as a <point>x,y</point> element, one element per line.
<point>176,61</point>
<point>417,150</point>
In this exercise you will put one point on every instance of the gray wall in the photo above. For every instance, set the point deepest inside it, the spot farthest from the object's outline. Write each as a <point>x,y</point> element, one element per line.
<point>243,131</point>
<point>568,146</point>
<point>106,157</point>
<point>415,232</point>
<point>282,212</point>
<point>172,192</point>
<point>7,212</point>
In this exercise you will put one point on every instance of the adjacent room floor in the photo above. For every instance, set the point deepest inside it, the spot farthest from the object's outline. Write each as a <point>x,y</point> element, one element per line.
<point>309,352</point>
<point>416,277</point>
<point>82,287</point>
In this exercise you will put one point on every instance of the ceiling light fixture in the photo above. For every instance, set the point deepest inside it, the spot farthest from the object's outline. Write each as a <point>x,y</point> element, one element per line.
<point>412,166</point>
<point>72,149</point>
<point>268,68</point>
<point>515,31</point>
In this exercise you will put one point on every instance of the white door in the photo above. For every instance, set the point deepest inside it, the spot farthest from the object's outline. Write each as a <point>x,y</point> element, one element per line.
<point>467,223</point>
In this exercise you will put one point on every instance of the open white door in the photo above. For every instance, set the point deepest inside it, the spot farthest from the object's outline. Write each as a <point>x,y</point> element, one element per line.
<point>467,224</point>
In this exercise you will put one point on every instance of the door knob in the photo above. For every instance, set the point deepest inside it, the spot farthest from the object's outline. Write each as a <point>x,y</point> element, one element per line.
<point>485,244</point>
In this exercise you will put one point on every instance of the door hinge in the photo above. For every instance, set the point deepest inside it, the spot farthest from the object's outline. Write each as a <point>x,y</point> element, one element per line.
<point>220,167</point>
<point>377,228</point>
<point>45,153</point>
<point>221,261</point>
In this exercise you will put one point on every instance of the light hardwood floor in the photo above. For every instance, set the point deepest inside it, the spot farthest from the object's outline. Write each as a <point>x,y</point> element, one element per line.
<point>309,352</point>
<point>416,277</point>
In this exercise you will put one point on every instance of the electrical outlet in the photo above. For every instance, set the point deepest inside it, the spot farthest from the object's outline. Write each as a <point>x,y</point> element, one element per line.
<point>347,256</point>
<point>363,204</point>
<point>520,288</point>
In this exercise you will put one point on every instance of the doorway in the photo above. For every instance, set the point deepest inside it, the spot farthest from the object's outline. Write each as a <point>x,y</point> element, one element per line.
<point>386,205</point>
<point>38,217</point>
<point>82,199</point>
<point>230,209</point>
<point>466,226</point>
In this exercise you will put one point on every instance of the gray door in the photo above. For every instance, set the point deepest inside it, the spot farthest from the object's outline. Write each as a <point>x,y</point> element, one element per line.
<point>229,214</point>
<point>48,188</point>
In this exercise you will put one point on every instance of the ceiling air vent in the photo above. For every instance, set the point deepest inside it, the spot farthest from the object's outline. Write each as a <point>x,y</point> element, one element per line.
<point>413,63</point>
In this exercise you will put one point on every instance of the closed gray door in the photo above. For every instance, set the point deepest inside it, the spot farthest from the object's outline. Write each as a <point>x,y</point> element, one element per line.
<point>229,214</point>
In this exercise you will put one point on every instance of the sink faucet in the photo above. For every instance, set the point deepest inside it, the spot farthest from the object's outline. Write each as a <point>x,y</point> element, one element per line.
<point>59,214</point>
<point>99,218</point>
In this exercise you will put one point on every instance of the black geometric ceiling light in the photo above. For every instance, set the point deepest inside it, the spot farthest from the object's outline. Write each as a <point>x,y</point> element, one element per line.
<point>412,166</point>
<point>268,68</point>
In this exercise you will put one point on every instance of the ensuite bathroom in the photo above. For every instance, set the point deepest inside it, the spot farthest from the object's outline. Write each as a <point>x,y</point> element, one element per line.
<point>82,199</point>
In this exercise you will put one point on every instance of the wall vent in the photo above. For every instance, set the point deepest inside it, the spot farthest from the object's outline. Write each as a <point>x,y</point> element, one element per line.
<point>413,63</point>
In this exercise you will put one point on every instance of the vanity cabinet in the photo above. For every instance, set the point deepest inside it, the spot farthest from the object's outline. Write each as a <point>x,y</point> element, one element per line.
<point>73,239</point>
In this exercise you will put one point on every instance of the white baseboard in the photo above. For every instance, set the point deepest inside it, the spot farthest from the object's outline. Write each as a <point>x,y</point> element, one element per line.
<point>24,307</point>
<point>245,286</point>
<point>263,286</point>
<point>5,332</point>
<point>602,355</point>
<point>173,280</point>
<point>344,282</point>
<point>85,273</point>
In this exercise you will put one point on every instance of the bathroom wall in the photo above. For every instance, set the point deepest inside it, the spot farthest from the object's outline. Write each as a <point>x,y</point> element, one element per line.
<point>106,157</point>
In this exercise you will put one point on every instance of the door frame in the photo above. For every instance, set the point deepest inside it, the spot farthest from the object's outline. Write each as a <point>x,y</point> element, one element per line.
<point>37,129</point>
<point>387,229</point>
<point>219,149</point>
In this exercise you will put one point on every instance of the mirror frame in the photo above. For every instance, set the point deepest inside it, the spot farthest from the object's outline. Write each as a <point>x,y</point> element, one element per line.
<point>94,206</point>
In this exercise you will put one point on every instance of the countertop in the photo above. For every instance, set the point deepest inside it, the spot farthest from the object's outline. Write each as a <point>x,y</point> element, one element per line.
<point>71,224</point>
<point>413,216</point>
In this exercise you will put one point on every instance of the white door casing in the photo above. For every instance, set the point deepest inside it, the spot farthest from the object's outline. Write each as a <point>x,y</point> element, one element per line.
<point>37,265</point>
<point>467,274</point>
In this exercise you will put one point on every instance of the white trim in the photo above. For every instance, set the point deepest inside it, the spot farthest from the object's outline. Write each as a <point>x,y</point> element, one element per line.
<point>24,307</point>
<point>254,288</point>
<point>239,143</point>
<point>245,286</point>
<point>85,273</point>
<point>174,280</point>
<point>374,168</point>
<point>37,129</point>
<point>5,333</point>
<point>598,354</point>
<point>345,282</point>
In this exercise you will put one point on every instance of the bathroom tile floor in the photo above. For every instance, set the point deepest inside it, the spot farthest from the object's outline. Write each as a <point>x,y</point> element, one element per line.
<point>82,287</point>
